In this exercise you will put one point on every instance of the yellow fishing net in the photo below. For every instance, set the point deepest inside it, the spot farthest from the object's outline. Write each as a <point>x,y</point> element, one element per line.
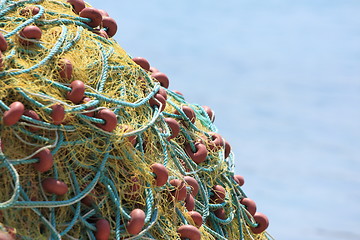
<point>94,145</point>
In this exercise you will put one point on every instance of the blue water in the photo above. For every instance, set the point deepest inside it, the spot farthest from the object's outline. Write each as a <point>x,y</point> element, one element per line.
<point>284,80</point>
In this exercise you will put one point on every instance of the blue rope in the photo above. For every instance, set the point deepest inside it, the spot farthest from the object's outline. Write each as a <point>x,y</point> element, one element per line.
<point>107,151</point>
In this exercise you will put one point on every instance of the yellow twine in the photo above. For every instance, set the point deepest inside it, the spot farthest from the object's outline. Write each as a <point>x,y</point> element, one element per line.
<point>82,146</point>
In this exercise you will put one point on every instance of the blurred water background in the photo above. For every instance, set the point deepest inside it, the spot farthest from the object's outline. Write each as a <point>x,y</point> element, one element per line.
<point>283,77</point>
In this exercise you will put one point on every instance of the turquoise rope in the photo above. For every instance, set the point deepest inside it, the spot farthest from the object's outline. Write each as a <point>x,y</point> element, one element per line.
<point>78,206</point>
<point>171,152</point>
<point>11,202</point>
<point>53,51</point>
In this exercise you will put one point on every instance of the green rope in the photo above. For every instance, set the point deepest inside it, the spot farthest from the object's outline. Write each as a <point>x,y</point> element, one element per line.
<point>103,144</point>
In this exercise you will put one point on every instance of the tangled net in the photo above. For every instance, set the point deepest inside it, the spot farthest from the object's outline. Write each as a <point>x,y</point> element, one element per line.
<point>94,145</point>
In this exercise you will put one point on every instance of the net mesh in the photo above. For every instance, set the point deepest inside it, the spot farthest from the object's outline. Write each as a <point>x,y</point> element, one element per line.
<point>106,174</point>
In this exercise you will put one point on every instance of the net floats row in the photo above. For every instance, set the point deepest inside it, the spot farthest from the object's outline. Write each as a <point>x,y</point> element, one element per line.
<point>159,76</point>
<point>76,95</point>
<point>98,19</point>
<point>197,151</point>
<point>133,226</point>
<point>183,191</point>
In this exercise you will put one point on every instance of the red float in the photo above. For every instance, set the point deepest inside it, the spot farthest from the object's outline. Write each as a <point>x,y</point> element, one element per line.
<point>249,204</point>
<point>220,213</point>
<point>180,189</point>
<point>189,113</point>
<point>239,179</point>
<point>103,13</point>
<point>227,149</point>
<point>210,113</point>
<point>197,218</point>
<point>45,161</point>
<point>193,184</point>
<point>29,11</point>
<point>201,152</point>
<point>174,126</point>
<point>57,114</point>
<point>30,32</point>
<point>54,186</point>
<point>3,43</point>
<point>89,114</point>
<point>142,62</point>
<point>102,229</point>
<point>101,33</point>
<point>162,92</point>
<point>110,120</point>
<point>189,232</point>
<point>76,94</point>
<point>13,115</point>
<point>110,26</point>
<point>219,194</point>
<point>160,100</point>
<point>162,78</point>
<point>161,173</point>
<point>32,114</point>
<point>93,14</point>
<point>153,70</point>
<point>137,221</point>
<point>189,202</point>
<point>216,141</point>
<point>66,69</point>
<point>78,5</point>
<point>262,221</point>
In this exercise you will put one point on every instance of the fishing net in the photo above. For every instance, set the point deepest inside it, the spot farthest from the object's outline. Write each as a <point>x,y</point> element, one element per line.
<point>95,146</point>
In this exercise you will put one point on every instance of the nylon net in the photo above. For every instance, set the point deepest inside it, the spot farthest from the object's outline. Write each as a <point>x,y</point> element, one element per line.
<point>95,146</point>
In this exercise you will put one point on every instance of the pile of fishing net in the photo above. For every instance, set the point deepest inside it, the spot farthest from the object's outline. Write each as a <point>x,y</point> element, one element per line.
<point>95,146</point>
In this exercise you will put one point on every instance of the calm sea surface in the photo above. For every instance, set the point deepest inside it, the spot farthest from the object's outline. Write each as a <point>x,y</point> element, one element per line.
<point>284,80</point>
